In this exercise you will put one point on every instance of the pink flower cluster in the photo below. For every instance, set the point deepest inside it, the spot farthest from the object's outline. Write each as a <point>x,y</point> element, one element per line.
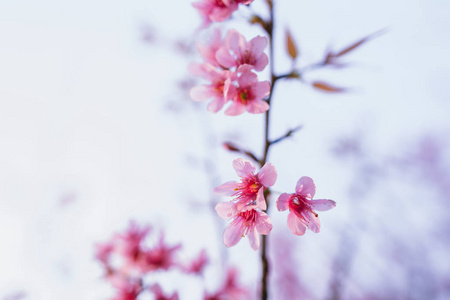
<point>217,10</point>
<point>127,258</point>
<point>228,66</point>
<point>246,209</point>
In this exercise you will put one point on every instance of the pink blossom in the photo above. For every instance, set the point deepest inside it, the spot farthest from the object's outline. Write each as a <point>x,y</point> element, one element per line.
<point>248,95</point>
<point>230,289</point>
<point>129,245</point>
<point>215,10</point>
<point>159,295</point>
<point>220,80</point>
<point>197,265</point>
<point>159,257</point>
<point>236,51</point>
<point>247,222</point>
<point>250,188</point>
<point>301,207</point>
<point>208,51</point>
<point>127,289</point>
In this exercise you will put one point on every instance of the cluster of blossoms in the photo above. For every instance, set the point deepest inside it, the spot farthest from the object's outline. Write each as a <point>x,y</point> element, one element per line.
<point>218,10</point>
<point>127,260</point>
<point>228,66</point>
<point>246,209</point>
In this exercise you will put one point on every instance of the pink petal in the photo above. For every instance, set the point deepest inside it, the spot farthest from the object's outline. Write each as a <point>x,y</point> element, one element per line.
<point>258,44</point>
<point>282,202</point>
<point>229,90</point>
<point>267,175</point>
<point>257,107</point>
<point>263,223</point>
<point>261,89</point>
<point>233,233</point>
<point>226,189</point>
<point>201,93</point>
<point>260,200</point>
<point>323,204</point>
<point>314,223</point>
<point>225,210</point>
<point>247,79</point>
<point>253,238</point>
<point>262,62</point>
<point>306,187</point>
<point>224,58</point>
<point>243,167</point>
<point>215,105</point>
<point>232,40</point>
<point>235,109</point>
<point>295,224</point>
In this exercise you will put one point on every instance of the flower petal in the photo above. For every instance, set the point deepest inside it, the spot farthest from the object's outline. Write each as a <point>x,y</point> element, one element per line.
<point>267,175</point>
<point>263,223</point>
<point>226,189</point>
<point>306,187</point>
<point>224,58</point>
<point>233,233</point>
<point>215,105</point>
<point>257,107</point>
<point>260,200</point>
<point>201,93</point>
<point>253,238</point>
<point>282,202</point>
<point>225,210</point>
<point>295,224</point>
<point>323,204</point>
<point>243,167</point>
<point>235,109</point>
<point>314,222</point>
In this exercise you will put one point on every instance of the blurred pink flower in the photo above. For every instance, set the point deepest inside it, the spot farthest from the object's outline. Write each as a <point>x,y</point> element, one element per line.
<point>230,289</point>
<point>159,257</point>
<point>215,10</point>
<point>159,295</point>
<point>248,95</point>
<point>301,207</point>
<point>250,188</point>
<point>219,81</point>
<point>208,51</point>
<point>127,289</point>
<point>197,265</point>
<point>236,51</point>
<point>129,244</point>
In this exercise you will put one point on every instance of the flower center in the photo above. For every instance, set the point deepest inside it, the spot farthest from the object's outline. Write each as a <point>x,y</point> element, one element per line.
<point>249,221</point>
<point>300,205</point>
<point>244,96</point>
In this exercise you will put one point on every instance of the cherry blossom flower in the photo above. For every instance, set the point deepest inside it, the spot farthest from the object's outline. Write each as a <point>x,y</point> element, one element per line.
<point>302,207</point>
<point>129,245</point>
<point>159,257</point>
<point>159,294</point>
<point>215,10</point>
<point>220,80</point>
<point>248,95</point>
<point>249,221</point>
<point>251,188</point>
<point>197,265</point>
<point>127,289</point>
<point>236,51</point>
<point>208,51</point>
<point>230,289</point>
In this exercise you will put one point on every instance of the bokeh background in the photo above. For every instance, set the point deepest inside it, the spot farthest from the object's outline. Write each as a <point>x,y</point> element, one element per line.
<point>96,129</point>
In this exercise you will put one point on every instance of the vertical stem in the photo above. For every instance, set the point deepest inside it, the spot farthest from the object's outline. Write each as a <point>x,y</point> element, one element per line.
<point>264,260</point>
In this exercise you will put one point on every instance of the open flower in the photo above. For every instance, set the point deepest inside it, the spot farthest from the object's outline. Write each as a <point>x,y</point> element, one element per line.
<point>248,95</point>
<point>249,221</point>
<point>236,51</point>
<point>302,207</point>
<point>251,188</point>
<point>215,10</point>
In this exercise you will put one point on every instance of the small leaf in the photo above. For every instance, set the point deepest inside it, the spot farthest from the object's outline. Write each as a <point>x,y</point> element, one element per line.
<point>323,86</point>
<point>358,43</point>
<point>290,46</point>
